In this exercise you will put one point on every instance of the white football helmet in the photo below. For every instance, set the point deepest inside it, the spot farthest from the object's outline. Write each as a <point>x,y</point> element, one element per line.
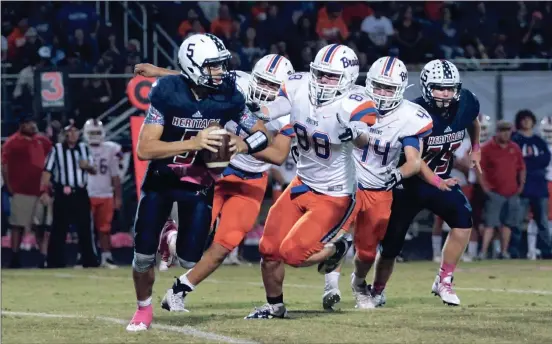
<point>546,129</point>
<point>387,74</point>
<point>486,127</point>
<point>199,55</point>
<point>333,61</point>
<point>93,131</point>
<point>440,74</point>
<point>268,75</point>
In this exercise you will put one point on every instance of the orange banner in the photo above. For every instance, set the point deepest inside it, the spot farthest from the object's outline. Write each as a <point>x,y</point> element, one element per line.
<point>139,165</point>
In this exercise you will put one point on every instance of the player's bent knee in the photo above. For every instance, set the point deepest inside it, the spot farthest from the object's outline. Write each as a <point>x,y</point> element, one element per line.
<point>268,249</point>
<point>186,264</point>
<point>143,262</point>
<point>366,256</point>
<point>293,256</point>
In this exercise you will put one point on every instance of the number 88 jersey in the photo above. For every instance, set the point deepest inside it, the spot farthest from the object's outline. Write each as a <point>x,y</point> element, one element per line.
<point>325,163</point>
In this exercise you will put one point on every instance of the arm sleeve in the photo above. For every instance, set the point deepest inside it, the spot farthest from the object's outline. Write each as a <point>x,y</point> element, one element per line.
<point>155,114</point>
<point>412,141</point>
<point>51,161</point>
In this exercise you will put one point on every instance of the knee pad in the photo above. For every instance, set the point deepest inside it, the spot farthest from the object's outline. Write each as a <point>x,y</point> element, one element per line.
<point>292,255</point>
<point>143,262</point>
<point>186,264</point>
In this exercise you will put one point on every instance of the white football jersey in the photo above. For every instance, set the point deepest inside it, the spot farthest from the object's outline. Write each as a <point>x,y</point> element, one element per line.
<point>324,162</point>
<point>464,149</point>
<point>281,125</point>
<point>106,157</point>
<point>385,145</point>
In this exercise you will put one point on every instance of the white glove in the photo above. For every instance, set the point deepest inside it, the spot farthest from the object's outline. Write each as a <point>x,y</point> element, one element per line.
<point>351,130</point>
<point>394,177</point>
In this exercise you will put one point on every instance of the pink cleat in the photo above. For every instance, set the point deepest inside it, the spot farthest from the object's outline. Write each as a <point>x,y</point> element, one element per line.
<point>167,260</point>
<point>141,321</point>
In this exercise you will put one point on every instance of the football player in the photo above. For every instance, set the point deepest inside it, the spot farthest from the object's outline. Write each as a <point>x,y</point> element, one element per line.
<point>303,223</point>
<point>400,127</point>
<point>453,110</point>
<point>175,129</point>
<point>240,192</point>
<point>104,188</point>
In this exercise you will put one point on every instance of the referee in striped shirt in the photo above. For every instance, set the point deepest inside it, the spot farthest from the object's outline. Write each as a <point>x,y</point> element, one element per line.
<point>67,167</point>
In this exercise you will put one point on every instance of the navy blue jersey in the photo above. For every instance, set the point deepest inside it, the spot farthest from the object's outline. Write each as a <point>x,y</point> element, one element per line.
<point>448,131</point>
<point>174,106</point>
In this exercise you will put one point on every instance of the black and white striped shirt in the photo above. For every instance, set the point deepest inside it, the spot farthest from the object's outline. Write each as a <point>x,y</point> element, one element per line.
<point>63,164</point>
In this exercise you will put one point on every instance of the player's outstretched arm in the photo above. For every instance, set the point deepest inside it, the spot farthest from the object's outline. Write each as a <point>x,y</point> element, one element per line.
<point>277,152</point>
<point>151,71</point>
<point>280,107</point>
<point>413,162</point>
<point>431,178</point>
<point>150,146</point>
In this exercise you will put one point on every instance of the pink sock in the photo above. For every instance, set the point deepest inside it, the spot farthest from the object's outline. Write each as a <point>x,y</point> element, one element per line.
<point>446,270</point>
<point>378,288</point>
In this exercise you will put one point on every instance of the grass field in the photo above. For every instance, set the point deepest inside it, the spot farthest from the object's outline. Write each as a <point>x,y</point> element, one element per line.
<point>502,302</point>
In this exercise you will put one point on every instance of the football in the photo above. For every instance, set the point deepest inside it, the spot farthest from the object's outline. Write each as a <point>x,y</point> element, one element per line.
<point>220,160</point>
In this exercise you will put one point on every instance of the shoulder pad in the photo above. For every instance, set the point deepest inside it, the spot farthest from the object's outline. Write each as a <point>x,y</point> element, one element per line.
<point>113,146</point>
<point>419,121</point>
<point>242,81</point>
<point>360,107</point>
<point>279,123</point>
<point>472,106</point>
<point>292,83</point>
<point>160,89</point>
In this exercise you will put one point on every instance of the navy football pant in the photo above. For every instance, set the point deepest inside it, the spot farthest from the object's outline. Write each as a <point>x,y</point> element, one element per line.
<point>452,206</point>
<point>194,220</point>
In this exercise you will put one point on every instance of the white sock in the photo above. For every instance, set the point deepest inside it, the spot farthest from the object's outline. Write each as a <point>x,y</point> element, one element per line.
<point>496,246</point>
<point>185,280</point>
<point>145,303</point>
<point>472,248</point>
<point>234,253</point>
<point>332,280</point>
<point>106,255</point>
<point>532,231</point>
<point>171,239</point>
<point>436,242</point>
<point>356,280</point>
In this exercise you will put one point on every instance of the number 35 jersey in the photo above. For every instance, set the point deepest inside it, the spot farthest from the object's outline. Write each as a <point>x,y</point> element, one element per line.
<point>448,132</point>
<point>107,157</point>
<point>388,135</point>
<point>325,163</point>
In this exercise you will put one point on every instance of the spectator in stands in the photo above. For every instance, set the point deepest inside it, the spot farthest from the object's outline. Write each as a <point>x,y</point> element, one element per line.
<point>98,94</point>
<point>534,41</point>
<point>79,15</point>
<point>222,25</point>
<point>41,20</point>
<point>57,51</point>
<point>16,38</point>
<point>449,36</point>
<point>83,46</point>
<point>480,24</point>
<point>330,24</point>
<point>273,29</point>
<point>259,11</point>
<point>23,158</point>
<point>355,12</point>
<point>27,52</point>
<point>503,181</point>
<point>250,45</point>
<point>537,157</point>
<point>210,9</point>
<point>379,30</point>
<point>408,37</point>
<point>24,88</point>
<point>187,25</point>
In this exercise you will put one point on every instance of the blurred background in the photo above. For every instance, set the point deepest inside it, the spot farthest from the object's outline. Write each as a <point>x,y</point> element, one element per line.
<point>503,49</point>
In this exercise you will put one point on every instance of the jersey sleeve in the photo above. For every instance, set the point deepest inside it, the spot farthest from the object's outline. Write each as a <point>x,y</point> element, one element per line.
<point>50,164</point>
<point>116,157</point>
<point>282,126</point>
<point>472,103</point>
<point>157,101</point>
<point>419,125</point>
<point>291,85</point>
<point>242,82</point>
<point>360,108</point>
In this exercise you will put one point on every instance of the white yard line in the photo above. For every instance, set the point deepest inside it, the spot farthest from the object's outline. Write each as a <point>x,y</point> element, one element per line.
<point>187,330</point>
<point>301,286</point>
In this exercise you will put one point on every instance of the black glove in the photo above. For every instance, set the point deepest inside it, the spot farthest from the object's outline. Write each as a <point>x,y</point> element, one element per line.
<point>394,177</point>
<point>253,107</point>
<point>295,154</point>
<point>350,131</point>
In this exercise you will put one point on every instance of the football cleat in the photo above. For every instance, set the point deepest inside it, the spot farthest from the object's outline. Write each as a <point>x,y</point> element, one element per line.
<point>443,289</point>
<point>268,311</point>
<point>173,301</point>
<point>141,321</point>
<point>342,245</point>
<point>331,299</point>
<point>379,299</point>
<point>363,297</point>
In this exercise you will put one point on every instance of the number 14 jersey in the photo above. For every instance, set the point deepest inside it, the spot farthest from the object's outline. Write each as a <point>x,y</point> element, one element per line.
<point>325,163</point>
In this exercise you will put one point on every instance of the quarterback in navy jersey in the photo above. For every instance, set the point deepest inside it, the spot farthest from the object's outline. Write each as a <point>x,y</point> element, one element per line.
<point>176,128</point>
<point>454,112</point>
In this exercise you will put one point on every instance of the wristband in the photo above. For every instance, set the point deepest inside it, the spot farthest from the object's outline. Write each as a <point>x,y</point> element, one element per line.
<point>256,142</point>
<point>476,147</point>
<point>437,181</point>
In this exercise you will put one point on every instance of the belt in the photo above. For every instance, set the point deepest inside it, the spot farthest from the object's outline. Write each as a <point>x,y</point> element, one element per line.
<point>233,170</point>
<point>301,189</point>
<point>369,189</point>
